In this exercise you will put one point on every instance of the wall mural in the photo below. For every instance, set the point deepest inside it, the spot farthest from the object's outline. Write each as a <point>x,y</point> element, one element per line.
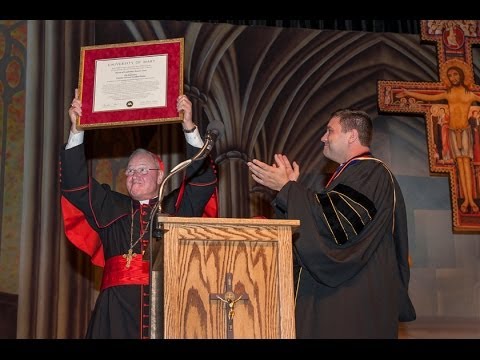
<point>452,118</point>
<point>13,48</point>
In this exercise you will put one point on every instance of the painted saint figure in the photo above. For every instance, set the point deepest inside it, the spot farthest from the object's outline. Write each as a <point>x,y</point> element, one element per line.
<point>474,121</point>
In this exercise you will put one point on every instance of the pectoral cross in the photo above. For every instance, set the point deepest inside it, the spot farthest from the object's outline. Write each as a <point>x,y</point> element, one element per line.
<point>230,299</point>
<point>129,256</point>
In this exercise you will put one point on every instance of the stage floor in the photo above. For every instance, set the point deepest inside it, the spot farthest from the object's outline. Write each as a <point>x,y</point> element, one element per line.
<point>440,328</point>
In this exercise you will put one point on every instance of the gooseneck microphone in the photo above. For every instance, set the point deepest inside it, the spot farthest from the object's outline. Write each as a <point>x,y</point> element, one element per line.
<point>214,131</point>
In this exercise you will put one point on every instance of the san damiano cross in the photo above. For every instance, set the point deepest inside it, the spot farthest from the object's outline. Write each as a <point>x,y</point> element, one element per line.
<point>451,111</point>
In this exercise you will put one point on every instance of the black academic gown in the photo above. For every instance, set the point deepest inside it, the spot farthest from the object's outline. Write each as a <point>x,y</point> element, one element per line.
<point>350,254</point>
<point>118,310</point>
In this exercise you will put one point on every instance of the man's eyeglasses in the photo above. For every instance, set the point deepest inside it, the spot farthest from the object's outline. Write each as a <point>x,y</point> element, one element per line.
<point>140,170</point>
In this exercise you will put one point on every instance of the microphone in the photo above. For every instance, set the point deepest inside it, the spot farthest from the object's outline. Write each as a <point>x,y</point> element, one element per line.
<point>215,129</point>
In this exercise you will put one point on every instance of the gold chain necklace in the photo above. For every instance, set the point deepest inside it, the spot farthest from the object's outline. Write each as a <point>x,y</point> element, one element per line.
<point>130,254</point>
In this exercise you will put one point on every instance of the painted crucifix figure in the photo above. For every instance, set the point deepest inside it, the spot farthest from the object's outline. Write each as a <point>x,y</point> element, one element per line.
<point>448,107</point>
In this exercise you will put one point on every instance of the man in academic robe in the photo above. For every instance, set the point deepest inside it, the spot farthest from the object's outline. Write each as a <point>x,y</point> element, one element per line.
<point>351,249</point>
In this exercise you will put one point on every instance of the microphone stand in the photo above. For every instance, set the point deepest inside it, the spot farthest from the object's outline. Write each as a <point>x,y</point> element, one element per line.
<point>156,299</point>
<point>201,154</point>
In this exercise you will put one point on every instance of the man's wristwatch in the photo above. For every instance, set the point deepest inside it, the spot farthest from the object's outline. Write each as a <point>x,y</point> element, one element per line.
<point>191,130</point>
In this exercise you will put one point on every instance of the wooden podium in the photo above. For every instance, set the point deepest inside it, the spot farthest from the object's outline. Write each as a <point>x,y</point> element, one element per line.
<point>223,278</point>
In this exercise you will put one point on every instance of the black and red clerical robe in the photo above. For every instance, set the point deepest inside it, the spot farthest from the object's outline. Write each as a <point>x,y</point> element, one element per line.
<point>104,224</point>
<point>350,253</point>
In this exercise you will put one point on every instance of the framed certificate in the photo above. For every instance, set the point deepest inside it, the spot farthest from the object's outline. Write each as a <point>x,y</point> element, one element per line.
<point>130,84</point>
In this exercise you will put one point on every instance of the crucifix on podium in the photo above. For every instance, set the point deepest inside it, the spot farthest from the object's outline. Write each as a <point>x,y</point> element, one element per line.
<point>230,299</point>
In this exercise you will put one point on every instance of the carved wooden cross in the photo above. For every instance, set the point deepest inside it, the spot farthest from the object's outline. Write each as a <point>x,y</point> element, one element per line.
<point>230,299</point>
<point>453,135</point>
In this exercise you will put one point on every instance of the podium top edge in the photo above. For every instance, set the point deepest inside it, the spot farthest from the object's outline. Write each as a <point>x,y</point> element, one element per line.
<point>228,221</point>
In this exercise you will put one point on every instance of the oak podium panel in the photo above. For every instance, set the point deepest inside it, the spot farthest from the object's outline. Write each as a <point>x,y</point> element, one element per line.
<point>223,278</point>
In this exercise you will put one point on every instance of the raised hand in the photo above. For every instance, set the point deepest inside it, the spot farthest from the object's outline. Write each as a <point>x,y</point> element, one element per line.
<point>274,176</point>
<point>292,172</point>
<point>74,112</point>
<point>185,105</point>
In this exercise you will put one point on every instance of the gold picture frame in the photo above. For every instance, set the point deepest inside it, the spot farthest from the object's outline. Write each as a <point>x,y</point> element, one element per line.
<point>130,84</point>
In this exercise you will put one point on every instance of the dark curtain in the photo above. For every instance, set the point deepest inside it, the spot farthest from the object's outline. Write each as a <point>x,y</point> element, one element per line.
<point>55,291</point>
